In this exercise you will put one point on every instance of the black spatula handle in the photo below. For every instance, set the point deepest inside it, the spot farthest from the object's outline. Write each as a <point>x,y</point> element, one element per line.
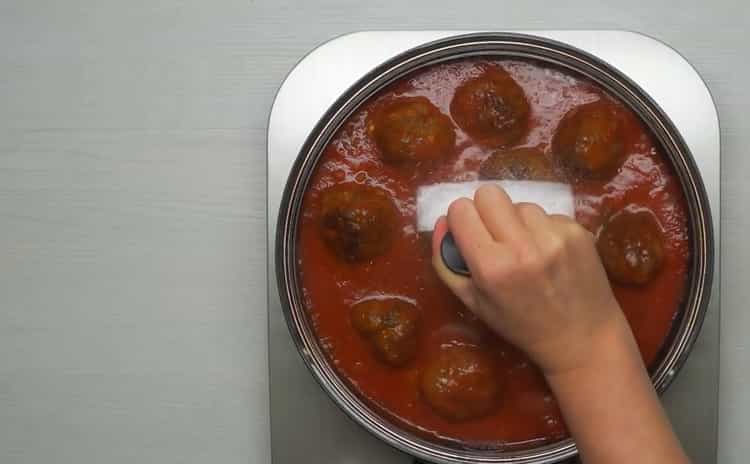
<point>452,257</point>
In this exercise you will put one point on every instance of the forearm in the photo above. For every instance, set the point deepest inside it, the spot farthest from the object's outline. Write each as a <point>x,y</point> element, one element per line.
<point>610,407</point>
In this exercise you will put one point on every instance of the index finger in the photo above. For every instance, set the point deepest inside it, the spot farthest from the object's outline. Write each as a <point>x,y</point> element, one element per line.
<point>499,214</point>
<point>472,237</point>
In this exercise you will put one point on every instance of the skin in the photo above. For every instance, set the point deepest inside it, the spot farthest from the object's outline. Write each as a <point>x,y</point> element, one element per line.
<point>538,282</point>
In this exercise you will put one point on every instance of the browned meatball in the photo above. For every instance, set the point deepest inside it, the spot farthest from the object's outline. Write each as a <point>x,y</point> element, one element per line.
<point>411,129</point>
<point>590,140</point>
<point>631,247</point>
<point>460,384</point>
<point>518,164</point>
<point>391,325</point>
<point>357,222</point>
<point>492,108</point>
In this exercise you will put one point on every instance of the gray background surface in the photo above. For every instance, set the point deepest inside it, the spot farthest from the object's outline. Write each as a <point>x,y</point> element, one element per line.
<point>132,196</point>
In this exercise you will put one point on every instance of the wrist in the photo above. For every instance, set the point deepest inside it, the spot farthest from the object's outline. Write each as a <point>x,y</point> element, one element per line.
<point>612,345</point>
<point>609,403</point>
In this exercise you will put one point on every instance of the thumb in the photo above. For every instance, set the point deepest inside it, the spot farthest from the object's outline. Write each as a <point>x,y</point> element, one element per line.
<point>461,286</point>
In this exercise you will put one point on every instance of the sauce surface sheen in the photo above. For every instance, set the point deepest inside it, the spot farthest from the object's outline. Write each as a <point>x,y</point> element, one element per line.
<point>527,414</point>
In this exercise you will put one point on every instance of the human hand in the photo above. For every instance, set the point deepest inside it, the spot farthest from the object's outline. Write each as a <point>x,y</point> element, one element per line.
<point>536,279</point>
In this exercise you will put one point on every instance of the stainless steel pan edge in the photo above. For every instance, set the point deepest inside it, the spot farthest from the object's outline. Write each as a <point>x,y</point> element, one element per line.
<point>686,327</point>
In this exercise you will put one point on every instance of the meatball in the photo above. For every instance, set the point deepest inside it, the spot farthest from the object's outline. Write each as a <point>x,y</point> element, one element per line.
<point>631,247</point>
<point>391,325</point>
<point>357,222</point>
<point>492,108</point>
<point>518,164</point>
<point>460,384</point>
<point>411,129</point>
<point>590,140</point>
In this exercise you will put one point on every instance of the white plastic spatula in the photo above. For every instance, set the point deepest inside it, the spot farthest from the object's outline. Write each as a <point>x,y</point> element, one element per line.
<point>433,201</point>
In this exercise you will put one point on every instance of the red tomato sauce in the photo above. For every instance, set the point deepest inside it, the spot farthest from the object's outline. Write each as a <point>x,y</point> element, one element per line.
<point>528,414</point>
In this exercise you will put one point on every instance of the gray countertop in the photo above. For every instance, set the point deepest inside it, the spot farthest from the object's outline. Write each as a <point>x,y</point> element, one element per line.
<point>132,208</point>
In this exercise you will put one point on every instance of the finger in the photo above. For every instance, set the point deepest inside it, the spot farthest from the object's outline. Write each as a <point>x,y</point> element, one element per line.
<point>537,222</point>
<point>569,225</point>
<point>562,219</point>
<point>472,237</point>
<point>438,232</point>
<point>499,215</point>
<point>461,286</point>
